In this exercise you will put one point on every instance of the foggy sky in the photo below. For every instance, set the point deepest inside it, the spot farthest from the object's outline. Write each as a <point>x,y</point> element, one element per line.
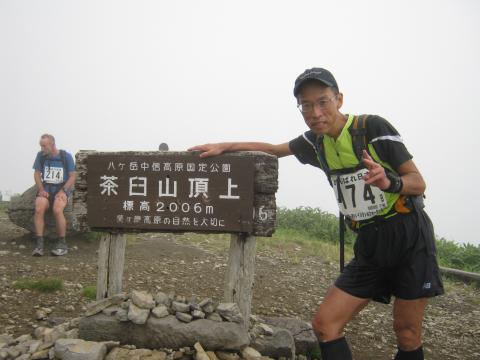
<point>127,75</point>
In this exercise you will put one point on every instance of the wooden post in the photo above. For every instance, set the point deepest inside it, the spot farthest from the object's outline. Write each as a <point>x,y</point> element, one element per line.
<point>239,277</point>
<point>111,258</point>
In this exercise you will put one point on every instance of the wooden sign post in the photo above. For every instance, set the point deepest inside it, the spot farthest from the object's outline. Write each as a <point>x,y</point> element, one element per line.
<point>125,192</point>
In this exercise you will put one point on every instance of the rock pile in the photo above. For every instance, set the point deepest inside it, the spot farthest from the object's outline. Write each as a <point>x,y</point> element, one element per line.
<point>139,305</point>
<point>163,327</point>
<point>164,321</point>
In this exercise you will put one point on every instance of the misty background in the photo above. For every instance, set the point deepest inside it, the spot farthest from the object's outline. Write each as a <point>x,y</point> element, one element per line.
<point>128,75</point>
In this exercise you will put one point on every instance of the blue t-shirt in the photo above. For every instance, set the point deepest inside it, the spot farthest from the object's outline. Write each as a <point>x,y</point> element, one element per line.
<point>54,172</point>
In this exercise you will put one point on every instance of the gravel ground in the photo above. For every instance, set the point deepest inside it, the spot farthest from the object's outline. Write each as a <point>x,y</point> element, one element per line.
<point>286,284</point>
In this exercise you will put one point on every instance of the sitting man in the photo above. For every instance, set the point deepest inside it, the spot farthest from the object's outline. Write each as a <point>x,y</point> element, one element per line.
<point>54,176</point>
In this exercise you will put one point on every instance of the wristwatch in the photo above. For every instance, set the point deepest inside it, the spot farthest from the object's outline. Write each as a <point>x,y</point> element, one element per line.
<point>396,183</point>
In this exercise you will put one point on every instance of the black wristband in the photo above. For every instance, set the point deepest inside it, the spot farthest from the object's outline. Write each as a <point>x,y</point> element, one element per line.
<point>396,183</point>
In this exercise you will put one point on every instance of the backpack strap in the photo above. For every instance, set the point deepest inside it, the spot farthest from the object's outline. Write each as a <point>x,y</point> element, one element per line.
<point>63,159</point>
<point>358,131</point>
<point>42,161</point>
<point>322,159</point>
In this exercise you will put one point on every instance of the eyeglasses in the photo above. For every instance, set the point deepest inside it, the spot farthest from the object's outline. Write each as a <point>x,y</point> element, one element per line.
<point>321,103</point>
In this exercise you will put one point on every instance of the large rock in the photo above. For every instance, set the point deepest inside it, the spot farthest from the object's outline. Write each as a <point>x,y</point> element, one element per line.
<point>279,344</point>
<point>142,299</point>
<point>166,332</point>
<point>97,306</point>
<point>75,349</point>
<point>230,311</point>
<point>22,208</point>
<point>302,332</point>
<point>144,354</point>
<point>137,315</point>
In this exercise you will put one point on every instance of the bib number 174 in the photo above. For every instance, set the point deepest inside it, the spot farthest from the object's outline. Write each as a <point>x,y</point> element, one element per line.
<point>355,198</point>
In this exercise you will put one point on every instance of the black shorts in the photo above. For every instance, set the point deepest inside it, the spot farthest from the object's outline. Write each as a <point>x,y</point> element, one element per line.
<point>395,257</point>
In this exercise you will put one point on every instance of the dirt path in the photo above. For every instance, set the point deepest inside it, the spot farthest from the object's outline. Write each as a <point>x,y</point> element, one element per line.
<point>285,285</point>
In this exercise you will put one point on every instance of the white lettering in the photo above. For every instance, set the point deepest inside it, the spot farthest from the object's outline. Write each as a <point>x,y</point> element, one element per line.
<point>229,192</point>
<point>140,183</point>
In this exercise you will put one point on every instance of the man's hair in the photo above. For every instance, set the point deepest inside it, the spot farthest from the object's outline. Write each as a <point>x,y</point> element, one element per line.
<point>48,136</point>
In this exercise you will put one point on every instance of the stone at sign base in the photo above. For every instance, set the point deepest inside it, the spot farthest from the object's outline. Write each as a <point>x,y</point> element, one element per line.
<point>79,349</point>
<point>167,332</point>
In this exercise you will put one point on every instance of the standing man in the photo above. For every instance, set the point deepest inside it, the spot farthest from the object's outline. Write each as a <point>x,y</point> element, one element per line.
<point>379,189</point>
<point>54,176</point>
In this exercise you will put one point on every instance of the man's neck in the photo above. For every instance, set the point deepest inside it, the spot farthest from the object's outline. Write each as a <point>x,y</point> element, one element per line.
<point>339,124</point>
<point>55,152</point>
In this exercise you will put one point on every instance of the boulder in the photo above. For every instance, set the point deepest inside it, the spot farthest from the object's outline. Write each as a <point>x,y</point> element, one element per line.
<point>22,208</point>
<point>137,315</point>
<point>167,332</point>
<point>142,299</point>
<point>230,312</point>
<point>279,344</point>
<point>75,349</point>
<point>305,340</point>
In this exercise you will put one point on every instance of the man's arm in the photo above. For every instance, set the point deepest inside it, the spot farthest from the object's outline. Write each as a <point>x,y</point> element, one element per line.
<point>207,150</point>
<point>37,176</point>
<point>71,181</point>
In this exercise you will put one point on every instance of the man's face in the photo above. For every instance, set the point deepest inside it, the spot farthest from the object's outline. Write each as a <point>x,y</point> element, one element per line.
<point>322,105</point>
<point>46,146</point>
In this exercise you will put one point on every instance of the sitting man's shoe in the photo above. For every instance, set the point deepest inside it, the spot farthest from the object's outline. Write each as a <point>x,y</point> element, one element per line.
<point>38,251</point>
<point>60,248</point>
<point>59,252</point>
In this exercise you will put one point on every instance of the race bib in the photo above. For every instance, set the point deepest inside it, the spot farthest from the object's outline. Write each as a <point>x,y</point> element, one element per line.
<point>355,198</point>
<point>53,175</point>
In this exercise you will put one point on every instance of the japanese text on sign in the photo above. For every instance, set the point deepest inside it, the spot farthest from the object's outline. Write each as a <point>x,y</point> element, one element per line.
<point>176,193</point>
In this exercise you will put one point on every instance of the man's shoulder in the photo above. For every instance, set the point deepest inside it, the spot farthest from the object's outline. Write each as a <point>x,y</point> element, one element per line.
<point>373,120</point>
<point>37,163</point>
<point>66,153</point>
<point>378,126</point>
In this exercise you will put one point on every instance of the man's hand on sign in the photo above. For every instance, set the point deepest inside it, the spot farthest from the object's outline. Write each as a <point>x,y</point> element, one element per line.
<point>376,173</point>
<point>208,150</point>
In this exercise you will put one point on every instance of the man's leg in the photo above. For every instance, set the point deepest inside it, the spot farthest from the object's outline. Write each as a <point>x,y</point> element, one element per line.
<point>407,323</point>
<point>333,314</point>
<point>41,206</point>
<point>58,206</point>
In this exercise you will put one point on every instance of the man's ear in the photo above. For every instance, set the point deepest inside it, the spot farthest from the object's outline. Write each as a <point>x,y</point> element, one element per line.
<point>339,100</point>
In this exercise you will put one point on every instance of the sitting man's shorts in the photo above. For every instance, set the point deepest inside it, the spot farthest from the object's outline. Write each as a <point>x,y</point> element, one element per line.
<point>395,257</point>
<point>52,192</point>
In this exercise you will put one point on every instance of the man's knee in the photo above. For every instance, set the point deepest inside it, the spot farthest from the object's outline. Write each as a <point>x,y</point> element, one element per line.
<point>324,328</point>
<point>41,207</point>
<point>58,210</point>
<point>409,336</point>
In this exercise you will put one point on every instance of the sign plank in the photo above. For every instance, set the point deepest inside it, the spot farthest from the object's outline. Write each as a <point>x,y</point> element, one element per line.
<point>183,193</point>
<point>93,210</point>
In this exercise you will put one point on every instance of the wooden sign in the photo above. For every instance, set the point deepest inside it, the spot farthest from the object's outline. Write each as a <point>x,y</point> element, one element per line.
<point>175,191</point>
